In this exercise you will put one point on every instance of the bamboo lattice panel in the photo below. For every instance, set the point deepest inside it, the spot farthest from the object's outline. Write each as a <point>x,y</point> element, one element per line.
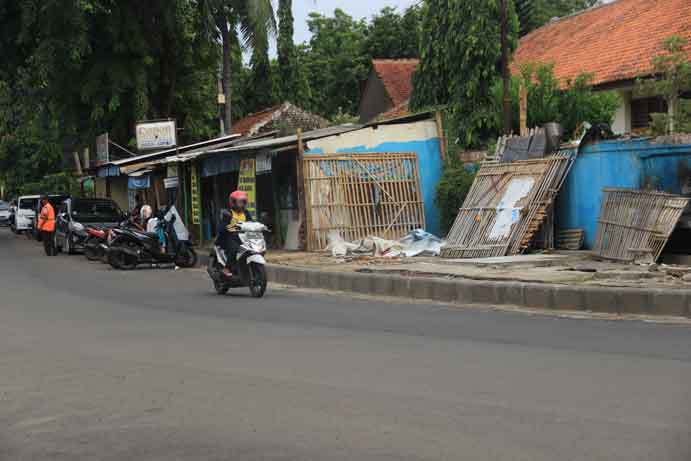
<point>362,195</point>
<point>636,225</point>
<point>506,207</point>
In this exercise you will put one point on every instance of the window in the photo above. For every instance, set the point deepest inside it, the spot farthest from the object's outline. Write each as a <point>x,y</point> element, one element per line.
<point>27,204</point>
<point>642,108</point>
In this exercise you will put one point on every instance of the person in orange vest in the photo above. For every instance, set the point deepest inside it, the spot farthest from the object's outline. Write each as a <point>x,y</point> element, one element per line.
<point>46,225</point>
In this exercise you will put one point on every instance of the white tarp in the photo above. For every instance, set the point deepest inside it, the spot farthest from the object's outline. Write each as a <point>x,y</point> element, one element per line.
<point>415,243</point>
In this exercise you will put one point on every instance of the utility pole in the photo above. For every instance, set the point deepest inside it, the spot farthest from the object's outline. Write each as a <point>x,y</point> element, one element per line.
<point>506,77</point>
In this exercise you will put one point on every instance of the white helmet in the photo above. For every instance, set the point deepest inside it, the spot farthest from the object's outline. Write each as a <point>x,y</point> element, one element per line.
<point>146,212</point>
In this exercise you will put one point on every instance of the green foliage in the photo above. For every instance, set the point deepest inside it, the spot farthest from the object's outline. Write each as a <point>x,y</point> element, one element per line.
<point>460,60</point>
<point>548,102</point>
<point>334,62</point>
<point>261,93</point>
<point>342,118</point>
<point>453,187</point>
<point>533,14</point>
<point>60,183</point>
<point>77,68</point>
<point>291,82</point>
<point>673,71</point>
<point>391,35</point>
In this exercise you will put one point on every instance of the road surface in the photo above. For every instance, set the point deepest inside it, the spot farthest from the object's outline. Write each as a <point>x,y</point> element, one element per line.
<point>151,365</point>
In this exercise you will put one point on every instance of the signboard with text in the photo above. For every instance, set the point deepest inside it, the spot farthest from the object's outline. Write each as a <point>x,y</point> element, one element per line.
<point>156,135</point>
<point>196,198</point>
<point>247,182</point>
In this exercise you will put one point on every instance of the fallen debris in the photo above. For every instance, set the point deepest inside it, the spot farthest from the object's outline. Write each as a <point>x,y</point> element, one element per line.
<point>416,243</point>
<point>634,225</point>
<point>506,207</point>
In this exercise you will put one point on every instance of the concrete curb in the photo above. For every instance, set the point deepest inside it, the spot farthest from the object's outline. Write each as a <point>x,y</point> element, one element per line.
<point>615,300</point>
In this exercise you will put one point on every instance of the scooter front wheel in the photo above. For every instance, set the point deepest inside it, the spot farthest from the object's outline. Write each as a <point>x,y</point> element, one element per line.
<point>187,258</point>
<point>258,280</point>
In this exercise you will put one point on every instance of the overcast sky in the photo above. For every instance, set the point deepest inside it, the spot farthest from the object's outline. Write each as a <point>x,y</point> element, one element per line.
<point>356,8</point>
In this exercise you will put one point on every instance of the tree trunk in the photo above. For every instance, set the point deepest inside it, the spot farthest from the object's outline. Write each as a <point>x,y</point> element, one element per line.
<point>227,71</point>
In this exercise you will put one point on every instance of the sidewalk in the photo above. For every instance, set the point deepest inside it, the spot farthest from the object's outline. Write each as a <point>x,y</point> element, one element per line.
<point>565,281</point>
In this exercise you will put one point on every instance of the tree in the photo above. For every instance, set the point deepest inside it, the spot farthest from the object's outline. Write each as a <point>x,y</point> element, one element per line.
<point>460,61</point>
<point>335,62</point>
<point>536,13</point>
<point>671,78</point>
<point>261,93</point>
<point>222,19</point>
<point>432,79</point>
<point>571,105</point>
<point>391,35</point>
<point>289,79</point>
<point>78,68</point>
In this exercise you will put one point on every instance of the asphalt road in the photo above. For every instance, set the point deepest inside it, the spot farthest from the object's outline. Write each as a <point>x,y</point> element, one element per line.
<point>151,365</point>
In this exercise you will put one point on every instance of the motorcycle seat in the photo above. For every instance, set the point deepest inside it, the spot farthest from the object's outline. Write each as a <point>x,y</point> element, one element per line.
<point>152,235</point>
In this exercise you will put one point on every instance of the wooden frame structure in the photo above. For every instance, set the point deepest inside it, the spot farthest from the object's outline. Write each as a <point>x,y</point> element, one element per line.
<point>506,206</point>
<point>635,225</point>
<point>361,195</point>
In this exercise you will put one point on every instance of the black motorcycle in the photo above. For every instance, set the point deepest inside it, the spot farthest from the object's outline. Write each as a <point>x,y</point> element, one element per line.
<point>131,248</point>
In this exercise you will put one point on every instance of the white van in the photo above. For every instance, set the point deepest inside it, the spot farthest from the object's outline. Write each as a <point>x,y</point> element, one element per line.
<point>25,214</point>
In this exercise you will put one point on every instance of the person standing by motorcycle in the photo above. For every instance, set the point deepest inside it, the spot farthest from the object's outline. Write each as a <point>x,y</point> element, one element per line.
<point>228,237</point>
<point>46,226</point>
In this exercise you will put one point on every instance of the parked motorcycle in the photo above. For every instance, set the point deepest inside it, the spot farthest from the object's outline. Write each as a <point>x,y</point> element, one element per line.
<point>132,247</point>
<point>249,269</point>
<point>96,244</point>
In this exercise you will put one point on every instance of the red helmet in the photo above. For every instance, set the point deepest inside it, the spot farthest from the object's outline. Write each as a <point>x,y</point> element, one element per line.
<point>238,195</point>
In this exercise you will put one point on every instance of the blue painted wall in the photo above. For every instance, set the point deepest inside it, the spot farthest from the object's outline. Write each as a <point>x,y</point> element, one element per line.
<point>633,164</point>
<point>429,165</point>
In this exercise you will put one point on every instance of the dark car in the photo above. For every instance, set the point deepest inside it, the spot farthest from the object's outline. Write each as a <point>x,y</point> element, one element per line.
<point>76,214</point>
<point>4,213</point>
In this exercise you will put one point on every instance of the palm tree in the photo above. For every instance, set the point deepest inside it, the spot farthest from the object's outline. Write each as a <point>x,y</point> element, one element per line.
<point>236,21</point>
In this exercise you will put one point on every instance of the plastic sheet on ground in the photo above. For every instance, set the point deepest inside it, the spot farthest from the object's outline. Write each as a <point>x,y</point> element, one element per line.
<point>416,243</point>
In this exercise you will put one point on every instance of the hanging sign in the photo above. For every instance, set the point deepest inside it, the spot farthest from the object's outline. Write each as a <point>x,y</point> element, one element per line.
<point>196,198</point>
<point>247,182</point>
<point>156,135</point>
<point>264,162</point>
<point>171,183</point>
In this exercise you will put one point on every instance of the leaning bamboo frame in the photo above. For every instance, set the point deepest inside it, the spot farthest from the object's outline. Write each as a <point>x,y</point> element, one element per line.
<point>636,224</point>
<point>362,195</point>
<point>469,236</point>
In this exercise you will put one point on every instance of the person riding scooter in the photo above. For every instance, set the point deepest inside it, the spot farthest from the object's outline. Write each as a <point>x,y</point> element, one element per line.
<point>228,238</point>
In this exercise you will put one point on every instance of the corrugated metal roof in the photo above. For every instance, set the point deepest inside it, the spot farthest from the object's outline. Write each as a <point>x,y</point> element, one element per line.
<point>156,155</point>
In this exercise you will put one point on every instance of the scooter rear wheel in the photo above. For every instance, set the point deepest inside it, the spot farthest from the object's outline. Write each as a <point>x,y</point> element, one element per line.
<point>258,281</point>
<point>122,261</point>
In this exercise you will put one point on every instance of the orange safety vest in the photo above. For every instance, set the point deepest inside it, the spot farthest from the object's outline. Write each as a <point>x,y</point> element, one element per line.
<point>46,221</point>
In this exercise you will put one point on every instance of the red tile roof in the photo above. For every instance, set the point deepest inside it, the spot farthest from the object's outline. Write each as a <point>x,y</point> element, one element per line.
<point>400,110</point>
<point>397,77</point>
<point>613,42</point>
<point>245,125</point>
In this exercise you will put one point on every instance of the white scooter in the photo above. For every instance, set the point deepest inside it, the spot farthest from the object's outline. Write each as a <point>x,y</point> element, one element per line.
<point>249,269</point>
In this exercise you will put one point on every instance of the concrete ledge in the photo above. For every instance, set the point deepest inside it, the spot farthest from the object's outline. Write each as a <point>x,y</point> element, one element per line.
<point>614,300</point>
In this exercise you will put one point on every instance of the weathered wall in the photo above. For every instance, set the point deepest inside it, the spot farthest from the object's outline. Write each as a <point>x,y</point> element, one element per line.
<point>118,191</point>
<point>420,137</point>
<point>634,164</point>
